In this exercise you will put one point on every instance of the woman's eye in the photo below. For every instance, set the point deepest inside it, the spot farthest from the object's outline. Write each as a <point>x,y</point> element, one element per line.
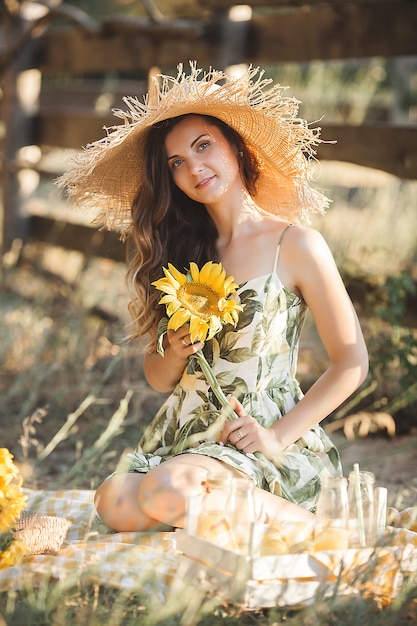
<point>176,163</point>
<point>203,145</point>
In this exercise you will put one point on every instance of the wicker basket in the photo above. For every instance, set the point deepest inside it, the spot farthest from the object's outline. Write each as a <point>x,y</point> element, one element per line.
<point>42,534</point>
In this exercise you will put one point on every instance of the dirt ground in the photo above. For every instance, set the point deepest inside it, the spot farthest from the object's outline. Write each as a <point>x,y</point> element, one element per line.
<point>392,460</point>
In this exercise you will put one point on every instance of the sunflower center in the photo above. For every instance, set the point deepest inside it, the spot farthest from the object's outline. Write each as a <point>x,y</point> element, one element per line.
<point>199,300</point>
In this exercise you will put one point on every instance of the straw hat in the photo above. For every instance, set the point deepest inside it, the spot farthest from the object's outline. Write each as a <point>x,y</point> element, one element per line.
<point>108,173</point>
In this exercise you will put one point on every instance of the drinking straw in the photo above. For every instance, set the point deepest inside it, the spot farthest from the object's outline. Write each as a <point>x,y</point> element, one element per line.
<point>359,507</point>
<point>380,510</point>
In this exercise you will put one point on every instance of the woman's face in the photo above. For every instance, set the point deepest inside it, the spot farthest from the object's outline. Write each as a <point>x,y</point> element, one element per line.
<point>202,162</point>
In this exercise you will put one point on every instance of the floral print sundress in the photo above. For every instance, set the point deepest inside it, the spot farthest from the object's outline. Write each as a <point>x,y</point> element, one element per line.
<point>256,362</point>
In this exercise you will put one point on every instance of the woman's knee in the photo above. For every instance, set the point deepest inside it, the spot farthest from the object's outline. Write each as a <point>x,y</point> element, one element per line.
<point>164,491</point>
<point>116,502</point>
<point>105,500</point>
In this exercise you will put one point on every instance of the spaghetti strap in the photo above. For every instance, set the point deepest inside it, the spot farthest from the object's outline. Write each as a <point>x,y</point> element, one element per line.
<point>279,247</point>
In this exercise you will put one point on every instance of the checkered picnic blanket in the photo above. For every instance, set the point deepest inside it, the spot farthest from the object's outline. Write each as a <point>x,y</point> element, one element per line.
<point>148,562</point>
<point>123,560</point>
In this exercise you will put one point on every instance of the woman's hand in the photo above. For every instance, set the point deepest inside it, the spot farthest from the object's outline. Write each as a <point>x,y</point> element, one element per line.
<point>180,343</point>
<point>247,435</point>
<point>164,373</point>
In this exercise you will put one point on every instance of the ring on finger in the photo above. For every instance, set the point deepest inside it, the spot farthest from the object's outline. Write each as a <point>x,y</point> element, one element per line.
<point>239,434</point>
<point>185,343</point>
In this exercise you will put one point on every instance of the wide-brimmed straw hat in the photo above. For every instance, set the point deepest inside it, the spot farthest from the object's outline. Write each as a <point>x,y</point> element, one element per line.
<point>108,173</point>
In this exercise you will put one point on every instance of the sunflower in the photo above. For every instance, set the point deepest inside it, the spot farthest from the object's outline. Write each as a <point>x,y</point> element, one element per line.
<point>12,503</point>
<point>200,298</point>
<point>12,500</point>
<point>12,550</point>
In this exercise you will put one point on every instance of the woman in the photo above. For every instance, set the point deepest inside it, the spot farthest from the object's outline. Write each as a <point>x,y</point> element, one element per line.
<point>220,172</point>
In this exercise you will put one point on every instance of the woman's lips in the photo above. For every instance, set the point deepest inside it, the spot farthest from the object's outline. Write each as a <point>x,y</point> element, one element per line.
<point>204,182</point>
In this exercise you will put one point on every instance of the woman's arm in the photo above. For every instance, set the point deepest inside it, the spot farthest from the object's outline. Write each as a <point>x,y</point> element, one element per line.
<point>164,372</point>
<point>318,280</point>
<point>307,260</point>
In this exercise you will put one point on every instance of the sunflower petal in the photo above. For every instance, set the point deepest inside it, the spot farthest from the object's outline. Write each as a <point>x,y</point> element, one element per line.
<point>179,318</point>
<point>198,329</point>
<point>235,316</point>
<point>167,299</point>
<point>218,284</point>
<point>177,275</point>
<point>214,326</point>
<point>171,304</point>
<point>231,317</point>
<point>206,273</point>
<point>230,286</point>
<point>172,307</point>
<point>195,272</point>
<point>163,284</point>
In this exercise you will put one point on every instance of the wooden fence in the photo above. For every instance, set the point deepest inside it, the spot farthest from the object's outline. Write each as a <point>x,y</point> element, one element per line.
<point>59,82</point>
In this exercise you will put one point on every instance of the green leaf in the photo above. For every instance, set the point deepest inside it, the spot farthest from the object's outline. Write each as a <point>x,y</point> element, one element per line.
<point>334,457</point>
<point>239,355</point>
<point>169,435</point>
<point>204,397</point>
<point>246,317</point>
<point>160,333</point>
<point>228,342</point>
<point>290,475</point>
<point>309,491</point>
<point>232,384</point>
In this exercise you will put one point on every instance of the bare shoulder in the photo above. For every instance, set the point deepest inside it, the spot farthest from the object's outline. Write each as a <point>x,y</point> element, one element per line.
<point>305,258</point>
<point>303,244</point>
<point>305,236</point>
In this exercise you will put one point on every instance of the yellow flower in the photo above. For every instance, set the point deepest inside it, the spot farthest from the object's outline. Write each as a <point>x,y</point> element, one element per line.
<point>10,509</point>
<point>12,503</point>
<point>12,550</point>
<point>200,298</point>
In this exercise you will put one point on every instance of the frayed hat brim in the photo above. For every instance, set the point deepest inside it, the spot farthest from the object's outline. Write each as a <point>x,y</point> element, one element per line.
<point>106,176</point>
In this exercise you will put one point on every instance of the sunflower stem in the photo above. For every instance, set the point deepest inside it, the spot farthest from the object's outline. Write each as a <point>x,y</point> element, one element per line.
<point>214,384</point>
<point>218,392</point>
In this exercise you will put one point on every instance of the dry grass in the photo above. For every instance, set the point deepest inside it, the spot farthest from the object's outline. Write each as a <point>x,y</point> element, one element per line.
<point>65,358</point>
<point>371,223</point>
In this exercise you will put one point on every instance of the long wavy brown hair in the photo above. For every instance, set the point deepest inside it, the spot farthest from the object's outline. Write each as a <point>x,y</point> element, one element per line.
<point>170,227</point>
